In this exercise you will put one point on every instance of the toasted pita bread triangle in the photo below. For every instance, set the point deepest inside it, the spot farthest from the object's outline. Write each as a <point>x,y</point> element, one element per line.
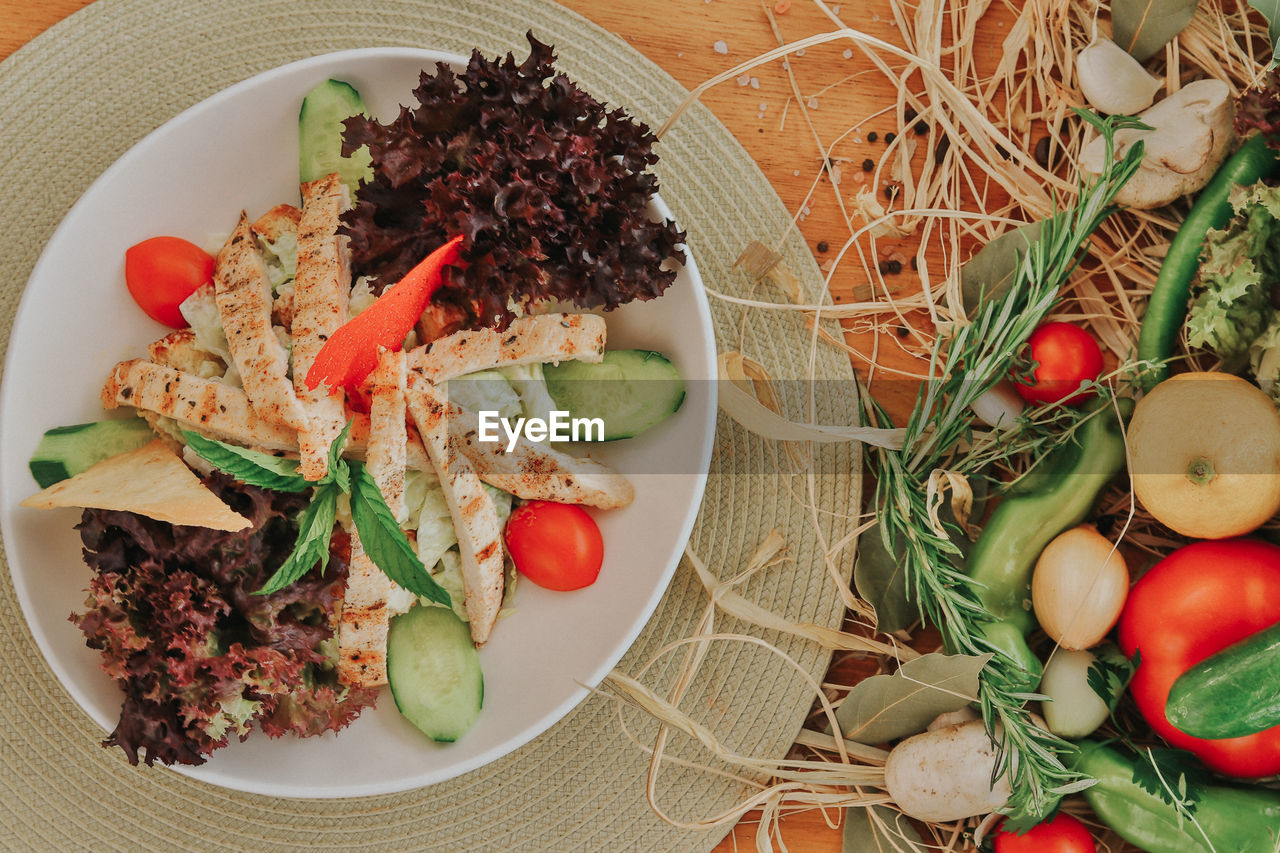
<point>150,481</point>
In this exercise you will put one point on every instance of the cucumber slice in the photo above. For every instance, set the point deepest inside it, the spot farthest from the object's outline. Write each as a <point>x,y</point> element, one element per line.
<point>631,390</point>
<point>66,451</point>
<point>324,109</point>
<point>434,671</point>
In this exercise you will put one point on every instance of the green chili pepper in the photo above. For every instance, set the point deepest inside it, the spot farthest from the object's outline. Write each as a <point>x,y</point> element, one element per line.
<point>1167,306</point>
<point>1239,820</point>
<point>1054,496</point>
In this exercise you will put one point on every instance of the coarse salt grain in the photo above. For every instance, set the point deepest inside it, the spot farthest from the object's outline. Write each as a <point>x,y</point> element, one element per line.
<point>755,82</point>
<point>848,54</point>
<point>744,79</point>
<point>720,46</point>
<point>813,103</point>
<point>795,173</point>
<point>763,106</point>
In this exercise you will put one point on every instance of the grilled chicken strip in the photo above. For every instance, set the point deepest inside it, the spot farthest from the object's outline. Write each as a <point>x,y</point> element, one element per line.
<point>320,296</point>
<point>362,631</point>
<point>243,295</point>
<point>531,471</point>
<point>537,472</point>
<point>540,338</point>
<point>475,520</point>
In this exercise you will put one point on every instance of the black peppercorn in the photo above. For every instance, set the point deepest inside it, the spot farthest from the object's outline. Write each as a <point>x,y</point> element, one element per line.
<point>940,150</point>
<point>1043,152</point>
<point>895,267</point>
<point>823,247</point>
<point>872,136</point>
<point>868,164</point>
<point>889,137</point>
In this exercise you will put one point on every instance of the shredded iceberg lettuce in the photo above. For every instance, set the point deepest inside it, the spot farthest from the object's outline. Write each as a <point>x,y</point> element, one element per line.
<point>485,390</point>
<point>531,386</point>
<point>281,260</point>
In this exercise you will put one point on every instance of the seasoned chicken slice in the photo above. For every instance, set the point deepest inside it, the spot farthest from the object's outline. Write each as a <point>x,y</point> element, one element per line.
<point>528,340</point>
<point>475,520</point>
<point>243,295</point>
<point>533,471</point>
<point>179,350</point>
<point>319,308</point>
<point>276,222</point>
<point>362,631</point>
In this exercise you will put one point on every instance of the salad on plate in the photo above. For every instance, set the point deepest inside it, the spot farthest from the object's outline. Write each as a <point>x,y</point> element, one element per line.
<point>352,443</point>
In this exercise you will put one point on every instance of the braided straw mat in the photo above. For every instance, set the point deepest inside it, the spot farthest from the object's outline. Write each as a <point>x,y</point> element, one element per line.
<point>74,100</point>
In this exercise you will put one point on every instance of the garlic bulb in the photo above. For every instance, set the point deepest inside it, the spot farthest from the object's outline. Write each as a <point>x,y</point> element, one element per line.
<point>1112,81</point>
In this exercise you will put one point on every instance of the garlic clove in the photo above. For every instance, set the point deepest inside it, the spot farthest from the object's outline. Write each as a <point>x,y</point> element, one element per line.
<point>1112,81</point>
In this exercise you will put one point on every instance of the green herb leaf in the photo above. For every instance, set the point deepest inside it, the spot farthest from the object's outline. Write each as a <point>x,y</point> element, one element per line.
<point>315,526</point>
<point>881,581</point>
<point>885,707</point>
<point>384,542</point>
<point>1110,674</point>
<point>1143,27</point>
<point>880,829</point>
<point>249,466</point>
<point>339,471</point>
<point>989,274</point>
<point>1174,775</point>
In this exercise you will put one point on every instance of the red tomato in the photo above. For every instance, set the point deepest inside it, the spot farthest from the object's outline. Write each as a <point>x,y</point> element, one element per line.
<point>1063,834</point>
<point>163,271</point>
<point>1194,603</point>
<point>557,546</point>
<point>1065,356</point>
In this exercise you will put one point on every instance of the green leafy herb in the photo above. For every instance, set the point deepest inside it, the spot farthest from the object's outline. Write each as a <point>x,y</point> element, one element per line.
<point>966,364</point>
<point>1174,775</point>
<point>885,707</point>
<point>249,466</point>
<point>380,533</point>
<point>990,272</point>
<point>1270,10</point>
<point>315,526</point>
<point>1143,27</point>
<point>1110,674</point>
<point>384,543</point>
<point>880,829</point>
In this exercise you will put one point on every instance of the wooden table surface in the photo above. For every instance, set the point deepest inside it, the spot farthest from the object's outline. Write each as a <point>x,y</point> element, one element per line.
<point>693,40</point>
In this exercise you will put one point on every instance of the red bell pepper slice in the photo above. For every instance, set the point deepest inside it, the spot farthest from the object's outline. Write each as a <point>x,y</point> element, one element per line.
<point>351,353</point>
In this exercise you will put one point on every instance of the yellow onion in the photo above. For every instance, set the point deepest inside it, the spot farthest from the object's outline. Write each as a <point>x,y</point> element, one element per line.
<point>1079,587</point>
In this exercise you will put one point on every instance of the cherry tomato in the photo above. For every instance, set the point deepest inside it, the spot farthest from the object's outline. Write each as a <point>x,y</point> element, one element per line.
<point>1063,834</point>
<point>163,271</point>
<point>1195,602</point>
<point>1066,355</point>
<point>557,546</point>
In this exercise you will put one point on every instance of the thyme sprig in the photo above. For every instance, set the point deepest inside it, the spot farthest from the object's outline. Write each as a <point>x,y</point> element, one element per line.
<point>966,362</point>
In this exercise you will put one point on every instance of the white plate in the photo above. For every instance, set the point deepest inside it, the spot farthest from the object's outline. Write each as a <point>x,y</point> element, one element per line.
<point>190,178</point>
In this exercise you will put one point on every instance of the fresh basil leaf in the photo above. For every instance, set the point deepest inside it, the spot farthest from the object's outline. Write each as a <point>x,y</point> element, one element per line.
<point>339,471</point>
<point>249,466</point>
<point>885,707</point>
<point>1144,27</point>
<point>385,542</point>
<point>315,527</point>
<point>880,829</point>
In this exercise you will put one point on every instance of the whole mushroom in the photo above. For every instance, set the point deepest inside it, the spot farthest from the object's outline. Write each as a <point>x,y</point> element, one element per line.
<point>1190,137</point>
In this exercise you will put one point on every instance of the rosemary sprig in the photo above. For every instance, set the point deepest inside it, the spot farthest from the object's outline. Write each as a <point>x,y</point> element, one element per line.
<point>966,363</point>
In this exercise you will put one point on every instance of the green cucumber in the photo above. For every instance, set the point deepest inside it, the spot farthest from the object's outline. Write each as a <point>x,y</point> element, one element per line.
<point>66,451</point>
<point>1233,693</point>
<point>631,390</point>
<point>434,671</point>
<point>324,109</point>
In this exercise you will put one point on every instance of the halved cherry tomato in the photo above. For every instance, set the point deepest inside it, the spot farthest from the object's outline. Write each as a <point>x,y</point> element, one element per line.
<point>557,546</point>
<point>1066,355</point>
<point>163,271</point>
<point>1063,834</point>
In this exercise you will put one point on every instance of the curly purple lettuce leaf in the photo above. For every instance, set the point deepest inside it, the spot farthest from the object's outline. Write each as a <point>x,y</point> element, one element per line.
<point>200,658</point>
<point>547,186</point>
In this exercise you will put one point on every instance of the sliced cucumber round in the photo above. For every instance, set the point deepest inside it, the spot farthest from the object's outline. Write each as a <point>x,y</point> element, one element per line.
<point>434,671</point>
<point>631,390</point>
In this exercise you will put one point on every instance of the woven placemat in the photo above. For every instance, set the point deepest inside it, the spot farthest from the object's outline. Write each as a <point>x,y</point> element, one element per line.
<point>72,101</point>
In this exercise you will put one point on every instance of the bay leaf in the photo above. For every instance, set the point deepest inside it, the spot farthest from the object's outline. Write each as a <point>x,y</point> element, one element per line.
<point>1144,27</point>
<point>1270,10</point>
<point>879,829</point>
<point>989,273</point>
<point>884,707</point>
